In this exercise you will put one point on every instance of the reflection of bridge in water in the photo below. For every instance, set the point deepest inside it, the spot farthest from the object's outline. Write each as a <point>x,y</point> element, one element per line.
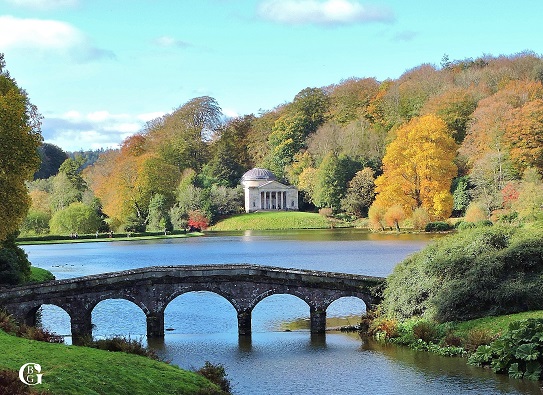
<point>153,288</point>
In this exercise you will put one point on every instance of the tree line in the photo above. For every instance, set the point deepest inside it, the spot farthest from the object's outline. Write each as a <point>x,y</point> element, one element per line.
<point>460,139</point>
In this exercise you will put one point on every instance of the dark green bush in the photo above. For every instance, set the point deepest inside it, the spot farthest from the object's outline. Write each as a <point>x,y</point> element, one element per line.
<point>475,273</point>
<point>439,226</point>
<point>217,375</point>
<point>14,263</point>
<point>518,352</point>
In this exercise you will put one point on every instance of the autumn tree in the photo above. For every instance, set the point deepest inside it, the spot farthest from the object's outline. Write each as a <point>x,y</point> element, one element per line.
<point>350,98</point>
<point>524,133</point>
<point>418,168</point>
<point>529,202</point>
<point>20,138</point>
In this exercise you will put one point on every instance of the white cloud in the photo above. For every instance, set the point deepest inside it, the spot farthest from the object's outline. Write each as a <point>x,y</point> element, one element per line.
<point>74,130</point>
<point>47,35</point>
<point>328,12</point>
<point>168,41</point>
<point>43,4</point>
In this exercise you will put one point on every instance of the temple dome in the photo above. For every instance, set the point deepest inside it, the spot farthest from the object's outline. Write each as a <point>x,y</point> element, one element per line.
<point>258,174</point>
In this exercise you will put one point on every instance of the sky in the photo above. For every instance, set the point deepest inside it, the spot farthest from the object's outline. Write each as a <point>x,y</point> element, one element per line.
<point>99,69</point>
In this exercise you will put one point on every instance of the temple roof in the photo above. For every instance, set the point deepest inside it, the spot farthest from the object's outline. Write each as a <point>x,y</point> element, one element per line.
<point>258,174</point>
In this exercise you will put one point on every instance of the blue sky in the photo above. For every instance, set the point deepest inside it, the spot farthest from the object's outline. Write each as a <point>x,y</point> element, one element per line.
<point>99,69</point>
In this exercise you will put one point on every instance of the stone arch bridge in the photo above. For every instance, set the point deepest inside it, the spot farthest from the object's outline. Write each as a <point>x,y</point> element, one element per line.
<point>153,288</point>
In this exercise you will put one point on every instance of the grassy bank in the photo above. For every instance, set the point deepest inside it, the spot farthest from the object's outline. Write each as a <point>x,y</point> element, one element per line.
<point>273,221</point>
<point>58,239</point>
<point>80,370</point>
<point>39,275</point>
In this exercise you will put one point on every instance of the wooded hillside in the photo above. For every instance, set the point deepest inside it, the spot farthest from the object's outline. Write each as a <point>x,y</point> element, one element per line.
<point>464,138</point>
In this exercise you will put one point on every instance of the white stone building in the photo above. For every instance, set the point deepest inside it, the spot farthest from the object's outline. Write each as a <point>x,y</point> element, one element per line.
<point>264,193</point>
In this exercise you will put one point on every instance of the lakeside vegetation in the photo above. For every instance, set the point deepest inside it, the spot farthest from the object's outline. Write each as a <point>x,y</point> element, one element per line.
<point>477,292</point>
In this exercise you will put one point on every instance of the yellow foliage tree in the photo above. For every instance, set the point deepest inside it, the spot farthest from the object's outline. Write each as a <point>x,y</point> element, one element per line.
<point>418,168</point>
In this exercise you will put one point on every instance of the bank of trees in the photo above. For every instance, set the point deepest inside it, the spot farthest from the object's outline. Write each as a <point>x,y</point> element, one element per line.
<point>461,139</point>
<point>20,138</point>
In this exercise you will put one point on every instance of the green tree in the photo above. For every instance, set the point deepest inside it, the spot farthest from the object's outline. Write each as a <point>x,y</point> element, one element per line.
<point>333,176</point>
<point>76,218</point>
<point>360,193</point>
<point>20,138</point>
<point>159,216</point>
<point>51,158</point>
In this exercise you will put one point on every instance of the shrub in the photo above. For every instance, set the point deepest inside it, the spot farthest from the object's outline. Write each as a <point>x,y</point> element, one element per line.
<point>439,226</point>
<point>326,212</point>
<point>217,375</point>
<point>123,344</point>
<point>476,338</point>
<point>10,384</point>
<point>475,212</point>
<point>518,352</point>
<point>197,220</point>
<point>384,329</point>
<point>420,218</point>
<point>475,273</point>
<point>425,331</point>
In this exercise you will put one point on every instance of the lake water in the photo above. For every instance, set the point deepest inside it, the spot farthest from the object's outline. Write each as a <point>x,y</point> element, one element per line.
<point>202,326</point>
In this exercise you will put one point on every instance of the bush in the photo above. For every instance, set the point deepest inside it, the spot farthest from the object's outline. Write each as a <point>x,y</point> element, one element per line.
<point>217,375</point>
<point>123,344</point>
<point>425,331</point>
<point>439,226</point>
<point>11,385</point>
<point>14,263</point>
<point>476,338</point>
<point>475,273</point>
<point>518,352</point>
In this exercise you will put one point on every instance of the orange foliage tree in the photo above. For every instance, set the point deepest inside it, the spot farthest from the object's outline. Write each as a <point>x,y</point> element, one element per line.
<point>418,168</point>
<point>524,133</point>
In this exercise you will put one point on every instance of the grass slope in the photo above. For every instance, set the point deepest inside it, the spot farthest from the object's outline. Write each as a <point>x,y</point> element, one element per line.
<point>80,370</point>
<point>273,221</point>
<point>495,325</point>
<point>39,275</point>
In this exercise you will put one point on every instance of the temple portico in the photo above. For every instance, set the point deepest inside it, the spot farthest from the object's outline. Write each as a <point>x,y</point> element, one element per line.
<point>264,192</point>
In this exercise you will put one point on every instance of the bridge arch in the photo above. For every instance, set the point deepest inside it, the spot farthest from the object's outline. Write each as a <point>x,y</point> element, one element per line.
<point>199,288</point>
<point>130,318</point>
<point>197,311</point>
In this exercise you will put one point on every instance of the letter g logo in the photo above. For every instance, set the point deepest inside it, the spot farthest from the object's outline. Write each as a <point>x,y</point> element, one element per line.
<point>29,373</point>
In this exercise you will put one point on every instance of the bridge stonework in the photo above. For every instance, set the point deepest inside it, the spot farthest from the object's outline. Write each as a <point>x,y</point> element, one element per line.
<point>153,288</point>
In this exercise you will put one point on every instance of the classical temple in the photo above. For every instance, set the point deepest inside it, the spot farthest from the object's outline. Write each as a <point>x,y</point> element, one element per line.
<point>264,193</point>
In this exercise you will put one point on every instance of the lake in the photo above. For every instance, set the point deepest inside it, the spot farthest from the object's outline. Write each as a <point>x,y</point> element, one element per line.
<point>202,326</point>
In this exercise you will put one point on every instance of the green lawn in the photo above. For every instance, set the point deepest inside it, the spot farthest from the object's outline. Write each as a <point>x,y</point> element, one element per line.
<point>275,220</point>
<point>495,325</point>
<point>85,371</point>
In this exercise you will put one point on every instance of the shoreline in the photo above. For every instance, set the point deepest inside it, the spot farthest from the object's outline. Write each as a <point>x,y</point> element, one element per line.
<point>87,239</point>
